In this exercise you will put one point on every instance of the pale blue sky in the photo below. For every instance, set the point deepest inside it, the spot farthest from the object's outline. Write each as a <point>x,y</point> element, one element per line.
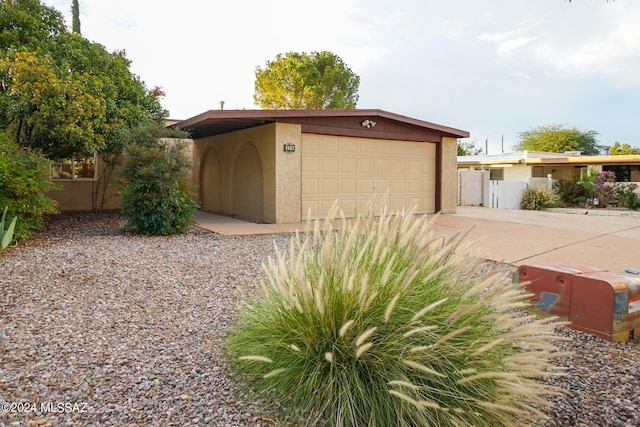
<point>491,67</point>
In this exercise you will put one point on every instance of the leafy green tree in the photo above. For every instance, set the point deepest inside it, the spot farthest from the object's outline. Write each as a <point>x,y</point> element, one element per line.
<point>66,96</point>
<point>317,80</point>
<point>468,148</point>
<point>558,139</point>
<point>75,11</point>
<point>618,149</point>
<point>28,25</point>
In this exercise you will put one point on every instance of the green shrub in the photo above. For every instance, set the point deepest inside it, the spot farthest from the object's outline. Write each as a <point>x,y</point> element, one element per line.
<point>24,181</point>
<point>539,199</point>
<point>628,197</point>
<point>384,323</point>
<point>572,192</point>
<point>155,196</point>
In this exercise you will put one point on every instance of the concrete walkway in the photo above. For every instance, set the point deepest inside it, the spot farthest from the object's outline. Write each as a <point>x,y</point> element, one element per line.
<point>512,236</point>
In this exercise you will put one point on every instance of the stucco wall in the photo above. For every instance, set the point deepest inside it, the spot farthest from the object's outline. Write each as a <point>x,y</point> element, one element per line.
<point>76,195</point>
<point>449,175</point>
<point>517,173</point>
<point>247,173</point>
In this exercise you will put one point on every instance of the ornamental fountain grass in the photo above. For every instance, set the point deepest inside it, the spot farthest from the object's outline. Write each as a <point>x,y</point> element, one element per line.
<point>381,322</point>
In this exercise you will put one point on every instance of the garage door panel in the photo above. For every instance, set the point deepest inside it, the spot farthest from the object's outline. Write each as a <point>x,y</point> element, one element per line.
<point>366,146</point>
<point>328,144</point>
<point>399,167</point>
<point>348,145</point>
<point>383,147</point>
<point>349,165</point>
<point>382,185</point>
<point>383,166</point>
<point>349,186</point>
<point>400,148</point>
<point>414,186</point>
<point>329,164</point>
<point>310,186</point>
<point>310,164</point>
<point>365,185</point>
<point>399,186</point>
<point>414,167</point>
<point>353,169</point>
<point>329,186</point>
<point>366,165</point>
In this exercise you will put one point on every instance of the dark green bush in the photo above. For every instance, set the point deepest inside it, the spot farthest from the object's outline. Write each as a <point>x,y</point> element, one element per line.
<point>156,198</point>
<point>384,323</point>
<point>539,199</point>
<point>24,181</point>
<point>572,191</point>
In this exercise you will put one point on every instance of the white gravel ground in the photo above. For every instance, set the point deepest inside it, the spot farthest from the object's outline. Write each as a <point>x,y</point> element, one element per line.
<point>102,328</point>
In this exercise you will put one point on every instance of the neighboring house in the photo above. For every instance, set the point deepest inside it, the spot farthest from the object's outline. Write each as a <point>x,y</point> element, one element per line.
<point>518,170</point>
<point>536,164</point>
<point>280,166</point>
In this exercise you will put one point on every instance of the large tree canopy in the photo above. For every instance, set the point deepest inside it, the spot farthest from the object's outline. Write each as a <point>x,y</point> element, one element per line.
<point>468,148</point>
<point>63,94</point>
<point>618,149</point>
<point>558,139</point>
<point>317,80</point>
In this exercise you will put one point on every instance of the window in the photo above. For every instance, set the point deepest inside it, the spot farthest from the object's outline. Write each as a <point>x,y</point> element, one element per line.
<point>496,174</point>
<point>84,169</point>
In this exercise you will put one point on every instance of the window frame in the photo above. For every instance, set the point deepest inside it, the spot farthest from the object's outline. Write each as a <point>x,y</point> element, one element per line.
<point>73,169</point>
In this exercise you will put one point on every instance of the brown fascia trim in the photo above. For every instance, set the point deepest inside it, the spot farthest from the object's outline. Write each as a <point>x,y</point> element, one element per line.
<point>367,133</point>
<point>275,114</point>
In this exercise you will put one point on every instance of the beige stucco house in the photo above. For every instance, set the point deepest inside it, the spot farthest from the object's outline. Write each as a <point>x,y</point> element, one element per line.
<point>536,164</point>
<point>282,166</point>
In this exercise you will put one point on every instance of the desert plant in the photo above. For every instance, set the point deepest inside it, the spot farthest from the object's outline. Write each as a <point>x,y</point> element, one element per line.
<point>6,235</point>
<point>385,323</point>
<point>155,196</point>
<point>627,195</point>
<point>24,182</point>
<point>572,192</point>
<point>539,199</point>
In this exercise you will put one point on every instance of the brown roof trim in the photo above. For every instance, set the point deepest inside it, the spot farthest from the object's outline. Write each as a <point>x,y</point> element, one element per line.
<point>221,121</point>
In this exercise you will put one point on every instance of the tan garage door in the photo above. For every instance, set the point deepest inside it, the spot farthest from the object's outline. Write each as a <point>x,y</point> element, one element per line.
<point>353,169</point>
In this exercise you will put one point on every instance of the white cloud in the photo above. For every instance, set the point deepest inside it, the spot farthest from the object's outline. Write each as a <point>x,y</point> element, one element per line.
<point>520,75</point>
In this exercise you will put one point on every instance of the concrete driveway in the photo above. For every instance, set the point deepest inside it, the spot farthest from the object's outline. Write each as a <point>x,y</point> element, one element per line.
<point>529,237</point>
<point>513,236</point>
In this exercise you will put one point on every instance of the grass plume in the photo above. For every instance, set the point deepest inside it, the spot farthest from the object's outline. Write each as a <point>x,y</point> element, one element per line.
<point>382,322</point>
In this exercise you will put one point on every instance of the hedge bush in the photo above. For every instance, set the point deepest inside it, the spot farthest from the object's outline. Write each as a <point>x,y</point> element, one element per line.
<point>384,323</point>
<point>156,198</point>
<point>24,182</point>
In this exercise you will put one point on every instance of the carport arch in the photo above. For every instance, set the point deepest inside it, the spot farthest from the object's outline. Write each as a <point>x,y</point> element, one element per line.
<point>247,182</point>
<point>210,181</point>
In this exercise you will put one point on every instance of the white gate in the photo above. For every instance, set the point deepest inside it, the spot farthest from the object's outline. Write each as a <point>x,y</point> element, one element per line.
<point>506,194</point>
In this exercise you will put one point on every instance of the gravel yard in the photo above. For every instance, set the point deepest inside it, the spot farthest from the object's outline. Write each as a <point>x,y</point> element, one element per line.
<point>102,328</point>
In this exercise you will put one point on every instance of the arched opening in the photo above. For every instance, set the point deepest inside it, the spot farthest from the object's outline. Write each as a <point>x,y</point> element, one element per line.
<point>210,198</point>
<point>247,184</point>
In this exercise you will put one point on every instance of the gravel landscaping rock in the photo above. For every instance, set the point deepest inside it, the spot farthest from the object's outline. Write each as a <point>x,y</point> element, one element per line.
<point>102,328</point>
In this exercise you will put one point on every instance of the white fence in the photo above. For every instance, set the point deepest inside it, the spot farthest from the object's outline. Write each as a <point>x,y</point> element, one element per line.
<point>506,194</point>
